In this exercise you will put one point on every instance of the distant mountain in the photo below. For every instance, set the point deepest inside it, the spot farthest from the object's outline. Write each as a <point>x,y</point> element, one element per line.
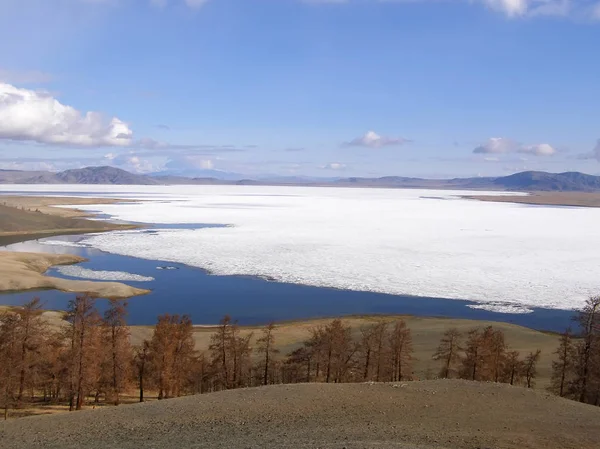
<point>103,175</point>
<point>530,180</point>
<point>535,180</point>
<point>525,181</point>
<point>88,175</point>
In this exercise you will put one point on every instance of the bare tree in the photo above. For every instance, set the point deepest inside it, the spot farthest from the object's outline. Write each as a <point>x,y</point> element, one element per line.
<point>530,367</point>
<point>82,335</point>
<point>220,351</point>
<point>513,368</point>
<point>9,357</point>
<point>401,351</point>
<point>562,369</point>
<point>31,332</point>
<point>449,351</point>
<point>588,350</point>
<point>118,353</point>
<point>496,346</point>
<point>473,355</point>
<point>266,346</point>
<point>141,357</point>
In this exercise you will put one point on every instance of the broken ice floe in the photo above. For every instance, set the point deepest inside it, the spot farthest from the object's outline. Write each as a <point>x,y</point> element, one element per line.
<point>499,307</point>
<point>85,273</point>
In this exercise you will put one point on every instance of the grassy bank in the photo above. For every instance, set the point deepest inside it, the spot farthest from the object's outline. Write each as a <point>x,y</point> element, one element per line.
<point>30,218</point>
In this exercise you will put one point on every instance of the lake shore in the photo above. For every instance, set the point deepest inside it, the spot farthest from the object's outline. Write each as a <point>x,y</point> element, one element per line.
<point>28,218</point>
<point>566,199</point>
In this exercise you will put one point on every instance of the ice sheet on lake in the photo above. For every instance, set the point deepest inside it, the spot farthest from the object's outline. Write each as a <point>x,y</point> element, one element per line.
<point>85,273</point>
<point>383,240</point>
<point>79,244</point>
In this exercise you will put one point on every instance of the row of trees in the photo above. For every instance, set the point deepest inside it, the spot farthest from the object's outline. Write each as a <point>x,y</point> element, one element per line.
<point>91,358</point>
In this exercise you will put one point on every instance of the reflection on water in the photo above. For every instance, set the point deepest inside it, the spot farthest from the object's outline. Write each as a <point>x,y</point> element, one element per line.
<point>187,290</point>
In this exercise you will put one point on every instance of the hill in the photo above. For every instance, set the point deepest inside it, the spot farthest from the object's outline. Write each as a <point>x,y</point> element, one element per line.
<point>438,414</point>
<point>525,181</point>
<point>88,175</point>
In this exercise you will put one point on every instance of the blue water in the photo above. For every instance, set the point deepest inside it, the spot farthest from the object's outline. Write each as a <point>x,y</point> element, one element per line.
<point>250,300</point>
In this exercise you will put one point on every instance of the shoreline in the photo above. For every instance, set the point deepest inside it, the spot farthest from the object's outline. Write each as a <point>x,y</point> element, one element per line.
<point>23,272</point>
<point>537,198</point>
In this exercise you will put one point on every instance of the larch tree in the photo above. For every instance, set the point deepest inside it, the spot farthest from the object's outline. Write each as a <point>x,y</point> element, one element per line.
<point>562,368</point>
<point>171,351</point>
<point>449,351</point>
<point>530,367</point>
<point>82,335</point>
<point>220,352</point>
<point>496,345</point>
<point>473,355</point>
<point>588,350</point>
<point>9,358</point>
<point>140,361</point>
<point>184,353</point>
<point>118,352</point>
<point>31,335</point>
<point>513,368</point>
<point>266,347</point>
<point>401,350</point>
<point>339,349</point>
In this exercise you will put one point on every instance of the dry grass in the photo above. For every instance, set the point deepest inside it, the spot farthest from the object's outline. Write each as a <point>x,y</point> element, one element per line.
<point>25,271</point>
<point>46,204</point>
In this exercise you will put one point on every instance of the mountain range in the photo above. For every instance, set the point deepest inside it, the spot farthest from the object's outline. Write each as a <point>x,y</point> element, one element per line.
<point>528,180</point>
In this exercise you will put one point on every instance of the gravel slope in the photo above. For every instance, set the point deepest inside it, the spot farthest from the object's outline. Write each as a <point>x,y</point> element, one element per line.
<point>415,415</point>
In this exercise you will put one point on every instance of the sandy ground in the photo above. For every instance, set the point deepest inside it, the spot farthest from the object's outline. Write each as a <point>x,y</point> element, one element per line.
<point>576,199</point>
<point>412,415</point>
<point>25,218</point>
<point>24,271</point>
<point>426,336</point>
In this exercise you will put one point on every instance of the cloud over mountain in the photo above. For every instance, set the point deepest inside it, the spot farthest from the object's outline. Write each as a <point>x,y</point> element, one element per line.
<point>501,145</point>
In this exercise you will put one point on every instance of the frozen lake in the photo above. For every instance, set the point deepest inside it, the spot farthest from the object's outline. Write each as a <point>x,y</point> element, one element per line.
<point>505,257</point>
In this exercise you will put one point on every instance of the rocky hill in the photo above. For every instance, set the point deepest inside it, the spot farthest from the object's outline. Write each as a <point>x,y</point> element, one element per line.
<point>440,414</point>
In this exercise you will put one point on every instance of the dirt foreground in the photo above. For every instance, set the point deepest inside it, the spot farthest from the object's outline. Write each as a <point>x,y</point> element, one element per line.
<point>412,415</point>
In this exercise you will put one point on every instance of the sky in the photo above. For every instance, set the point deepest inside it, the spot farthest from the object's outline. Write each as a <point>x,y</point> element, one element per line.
<point>319,88</point>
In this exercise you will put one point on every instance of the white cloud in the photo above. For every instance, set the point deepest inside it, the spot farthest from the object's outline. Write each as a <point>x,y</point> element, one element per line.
<point>373,140</point>
<point>496,145</point>
<point>501,145</point>
<point>542,149</point>
<point>512,8</point>
<point>596,11</point>
<point>334,166</point>
<point>37,116</point>
<point>132,162</point>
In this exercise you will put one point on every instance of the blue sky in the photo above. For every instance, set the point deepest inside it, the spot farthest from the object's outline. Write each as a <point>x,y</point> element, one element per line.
<point>292,87</point>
